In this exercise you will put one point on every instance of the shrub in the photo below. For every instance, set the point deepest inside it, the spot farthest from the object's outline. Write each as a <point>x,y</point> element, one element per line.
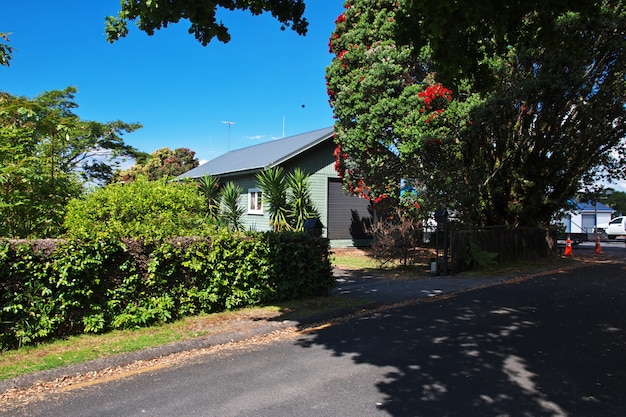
<point>395,237</point>
<point>140,209</point>
<point>74,286</point>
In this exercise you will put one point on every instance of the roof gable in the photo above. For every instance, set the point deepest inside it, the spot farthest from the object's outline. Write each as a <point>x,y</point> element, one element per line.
<point>261,156</point>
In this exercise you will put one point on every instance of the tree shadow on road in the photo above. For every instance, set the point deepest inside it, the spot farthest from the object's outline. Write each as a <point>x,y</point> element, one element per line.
<point>535,348</point>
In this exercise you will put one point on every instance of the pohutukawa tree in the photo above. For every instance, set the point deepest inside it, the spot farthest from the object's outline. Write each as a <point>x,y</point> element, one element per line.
<point>162,163</point>
<point>503,111</point>
<point>152,15</point>
<point>373,85</point>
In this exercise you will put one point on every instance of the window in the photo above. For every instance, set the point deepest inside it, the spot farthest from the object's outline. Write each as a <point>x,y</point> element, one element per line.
<point>255,201</point>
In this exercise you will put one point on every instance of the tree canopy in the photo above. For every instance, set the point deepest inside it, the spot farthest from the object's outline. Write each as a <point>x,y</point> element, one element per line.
<point>6,50</point>
<point>504,125</point>
<point>463,36</point>
<point>153,15</point>
<point>47,153</point>
<point>616,200</point>
<point>373,85</point>
<point>162,163</point>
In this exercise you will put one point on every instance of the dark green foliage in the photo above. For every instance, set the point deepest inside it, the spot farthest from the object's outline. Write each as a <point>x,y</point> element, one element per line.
<point>5,50</point>
<point>274,186</point>
<point>501,111</point>
<point>288,197</point>
<point>53,289</point>
<point>295,260</point>
<point>299,199</point>
<point>153,15</point>
<point>477,257</point>
<point>616,200</point>
<point>209,188</point>
<point>141,209</point>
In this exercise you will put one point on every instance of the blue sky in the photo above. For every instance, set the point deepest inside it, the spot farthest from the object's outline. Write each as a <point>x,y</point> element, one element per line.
<point>267,81</point>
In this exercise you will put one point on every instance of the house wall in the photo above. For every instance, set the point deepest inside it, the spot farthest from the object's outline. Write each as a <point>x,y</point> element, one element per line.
<point>318,162</point>
<point>255,222</point>
<point>584,222</point>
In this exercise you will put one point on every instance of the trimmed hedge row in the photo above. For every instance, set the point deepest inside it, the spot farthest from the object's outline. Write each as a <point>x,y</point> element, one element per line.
<point>55,288</point>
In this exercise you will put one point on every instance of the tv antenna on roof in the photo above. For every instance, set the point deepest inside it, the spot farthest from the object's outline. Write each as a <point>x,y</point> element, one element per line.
<point>229,124</point>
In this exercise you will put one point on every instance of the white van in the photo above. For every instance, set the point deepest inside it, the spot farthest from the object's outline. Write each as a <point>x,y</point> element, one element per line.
<point>616,227</point>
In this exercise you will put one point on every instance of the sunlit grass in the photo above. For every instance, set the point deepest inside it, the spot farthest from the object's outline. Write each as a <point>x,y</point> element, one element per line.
<point>361,260</point>
<point>83,348</point>
<point>353,259</point>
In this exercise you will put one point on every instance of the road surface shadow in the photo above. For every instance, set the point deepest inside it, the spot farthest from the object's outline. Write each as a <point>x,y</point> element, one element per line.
<point>549,346</point>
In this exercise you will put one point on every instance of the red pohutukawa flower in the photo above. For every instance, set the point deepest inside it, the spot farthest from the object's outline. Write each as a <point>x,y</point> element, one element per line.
<point>431,93</point>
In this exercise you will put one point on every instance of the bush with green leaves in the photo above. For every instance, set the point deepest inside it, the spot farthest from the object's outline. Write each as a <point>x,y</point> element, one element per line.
<point>140,209</point>
<point>54,289</point>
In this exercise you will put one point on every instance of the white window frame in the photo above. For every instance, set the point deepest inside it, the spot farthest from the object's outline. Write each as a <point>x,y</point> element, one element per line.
<point>255,201</point>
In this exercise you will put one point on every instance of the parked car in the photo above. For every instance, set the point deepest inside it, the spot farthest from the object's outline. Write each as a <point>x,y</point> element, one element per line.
<point>616,227</point>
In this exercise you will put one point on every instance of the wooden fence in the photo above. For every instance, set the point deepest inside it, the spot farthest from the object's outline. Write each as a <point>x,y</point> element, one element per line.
<point>511,244</point>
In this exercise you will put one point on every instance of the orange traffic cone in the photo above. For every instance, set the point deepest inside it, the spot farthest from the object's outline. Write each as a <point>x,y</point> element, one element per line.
<point>598,248</point>
<point>568,247</point>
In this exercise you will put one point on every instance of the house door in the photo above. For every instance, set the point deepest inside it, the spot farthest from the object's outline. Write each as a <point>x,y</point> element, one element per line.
<point>348,216</point>
<point>589,222</point>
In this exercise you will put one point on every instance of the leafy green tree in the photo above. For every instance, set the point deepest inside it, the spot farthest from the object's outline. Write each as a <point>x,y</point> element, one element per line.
<point>153,15</point>
<point>231,210</point>
<point>616,200</point>
<point>464,37</point>
<point>46,154</point>
<point>504,133</point>
<point>547,119</point>
<point>373,85</point>
<point>141,209</point>
<point>162,163</point>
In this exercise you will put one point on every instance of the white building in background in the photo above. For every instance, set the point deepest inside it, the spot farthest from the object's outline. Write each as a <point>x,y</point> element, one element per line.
<point>585,217</point>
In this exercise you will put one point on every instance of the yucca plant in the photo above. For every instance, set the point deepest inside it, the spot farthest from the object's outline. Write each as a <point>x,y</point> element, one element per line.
<point>208,186</point>
<point>274,186</point>
<point>231,210</point>
<point>299,199</point>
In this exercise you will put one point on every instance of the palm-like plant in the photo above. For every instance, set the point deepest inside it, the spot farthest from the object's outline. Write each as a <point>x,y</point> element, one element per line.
<point>274,187</point>
<point>299,199</point>
<point>209,188</point>
<point>231,210</point>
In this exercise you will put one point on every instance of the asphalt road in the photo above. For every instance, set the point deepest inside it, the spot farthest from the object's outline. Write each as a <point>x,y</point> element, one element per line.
<point>553,345</point>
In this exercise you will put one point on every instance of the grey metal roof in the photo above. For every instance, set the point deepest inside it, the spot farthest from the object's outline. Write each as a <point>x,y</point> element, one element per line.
<point>261,156</point>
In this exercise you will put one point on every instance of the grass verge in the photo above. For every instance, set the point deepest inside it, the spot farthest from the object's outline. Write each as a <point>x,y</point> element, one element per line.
<point>83,348</point>
<point>361,260</point>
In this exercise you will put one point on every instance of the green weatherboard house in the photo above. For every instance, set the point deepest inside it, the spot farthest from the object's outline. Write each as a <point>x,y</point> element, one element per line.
<point>342,216</point>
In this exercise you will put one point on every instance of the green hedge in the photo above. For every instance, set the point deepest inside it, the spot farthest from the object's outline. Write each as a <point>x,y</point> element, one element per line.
<point>55,288</point>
